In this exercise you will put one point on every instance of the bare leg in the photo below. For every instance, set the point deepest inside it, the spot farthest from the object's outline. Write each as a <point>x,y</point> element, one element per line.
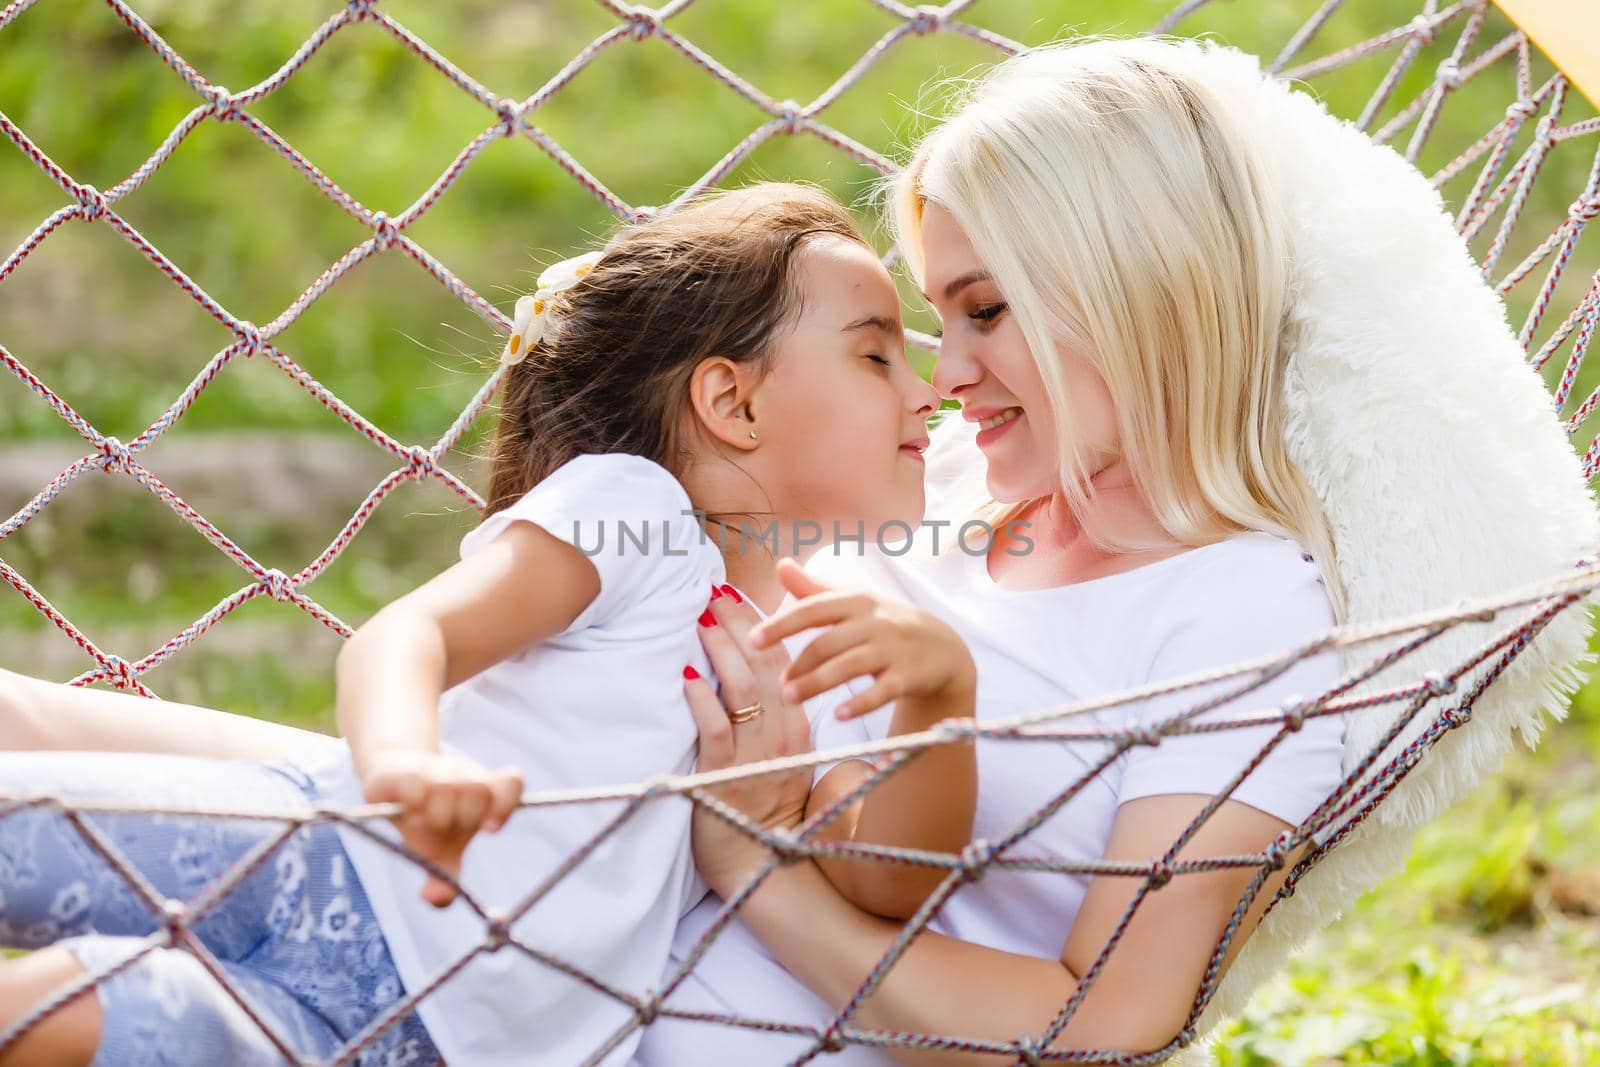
<point>69,1036</point>
<point>40,715</point>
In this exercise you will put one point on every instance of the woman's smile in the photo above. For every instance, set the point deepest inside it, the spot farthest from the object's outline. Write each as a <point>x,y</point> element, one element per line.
<point>993,423</point>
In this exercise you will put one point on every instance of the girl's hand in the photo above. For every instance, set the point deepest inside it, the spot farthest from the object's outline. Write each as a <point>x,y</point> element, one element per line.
<point>446,800</point>
<point>909,653</point>
<point>725,855</point>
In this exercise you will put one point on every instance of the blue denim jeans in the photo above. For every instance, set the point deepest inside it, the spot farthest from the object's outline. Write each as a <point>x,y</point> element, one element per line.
<point>296,938</point>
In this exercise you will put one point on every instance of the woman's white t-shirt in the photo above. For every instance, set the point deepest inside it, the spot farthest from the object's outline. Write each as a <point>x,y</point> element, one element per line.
<point>599,704</point>
<point>1249,596</point>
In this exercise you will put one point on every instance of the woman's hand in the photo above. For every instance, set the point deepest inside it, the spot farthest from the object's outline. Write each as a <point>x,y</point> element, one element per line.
<point>447,800</point>
<point>908,652</point>
<point>725,855</point>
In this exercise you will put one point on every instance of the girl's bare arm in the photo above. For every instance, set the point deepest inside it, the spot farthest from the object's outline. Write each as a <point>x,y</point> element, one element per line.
<point>521,587</point>
<point>921,664</point>
<point>927,805</point>
<point>516,591</point>
<point>37,715</point>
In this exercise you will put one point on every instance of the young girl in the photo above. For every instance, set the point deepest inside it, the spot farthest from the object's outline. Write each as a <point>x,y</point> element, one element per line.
<point>679,411</point>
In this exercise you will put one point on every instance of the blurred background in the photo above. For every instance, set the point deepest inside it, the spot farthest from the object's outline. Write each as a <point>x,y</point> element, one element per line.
<point>1486,949</point>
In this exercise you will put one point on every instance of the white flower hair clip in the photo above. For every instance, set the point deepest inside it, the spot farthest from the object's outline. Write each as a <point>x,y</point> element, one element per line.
<point>527,325</point>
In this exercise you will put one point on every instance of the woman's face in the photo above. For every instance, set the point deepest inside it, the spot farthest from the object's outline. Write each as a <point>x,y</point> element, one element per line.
<point>843,416</point>
<point>985,363</point>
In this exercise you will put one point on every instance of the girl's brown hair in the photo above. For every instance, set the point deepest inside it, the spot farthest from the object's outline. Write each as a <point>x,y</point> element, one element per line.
<point>611,373</point>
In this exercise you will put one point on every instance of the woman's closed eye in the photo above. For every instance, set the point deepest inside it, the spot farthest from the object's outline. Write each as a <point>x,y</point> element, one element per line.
<point>879,359</point>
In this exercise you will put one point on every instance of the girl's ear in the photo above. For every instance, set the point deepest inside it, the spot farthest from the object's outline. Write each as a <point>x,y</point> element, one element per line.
<point>721,394</point>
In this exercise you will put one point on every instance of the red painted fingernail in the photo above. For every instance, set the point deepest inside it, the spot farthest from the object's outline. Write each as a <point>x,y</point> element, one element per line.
<point>707,619</point>
<point>690,673</point>
<point>715,592</point>
<point>731,591</point>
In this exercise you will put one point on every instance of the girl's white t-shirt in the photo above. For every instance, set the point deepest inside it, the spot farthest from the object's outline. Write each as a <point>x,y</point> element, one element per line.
<point>599,704</point>
<point>1251,595</point>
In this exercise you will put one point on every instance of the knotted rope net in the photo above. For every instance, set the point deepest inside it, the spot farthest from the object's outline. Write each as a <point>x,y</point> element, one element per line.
<point>1428,708</point>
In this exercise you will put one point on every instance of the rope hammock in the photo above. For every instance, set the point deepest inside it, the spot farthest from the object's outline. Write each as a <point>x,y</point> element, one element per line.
<point>1439,668</point>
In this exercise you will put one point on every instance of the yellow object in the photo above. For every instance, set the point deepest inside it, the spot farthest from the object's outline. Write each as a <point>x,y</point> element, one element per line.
<point>1568,31</point>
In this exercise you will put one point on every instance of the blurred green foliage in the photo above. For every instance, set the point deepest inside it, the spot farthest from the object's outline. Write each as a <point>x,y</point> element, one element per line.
<point>1482,951</point>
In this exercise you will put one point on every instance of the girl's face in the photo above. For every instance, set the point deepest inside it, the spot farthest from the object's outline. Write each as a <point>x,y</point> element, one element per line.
<point>985,363</point>
<point>842,414</point>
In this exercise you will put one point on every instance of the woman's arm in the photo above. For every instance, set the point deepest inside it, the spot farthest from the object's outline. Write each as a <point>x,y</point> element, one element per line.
<point>1139,1000</point>
<point>1140,996</point>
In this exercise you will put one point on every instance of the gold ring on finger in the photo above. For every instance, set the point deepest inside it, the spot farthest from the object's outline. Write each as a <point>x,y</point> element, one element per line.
<point>747,714</point>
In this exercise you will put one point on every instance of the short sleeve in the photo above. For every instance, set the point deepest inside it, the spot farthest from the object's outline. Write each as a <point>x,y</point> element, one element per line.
<point>628,516</point>
<point>1231,614</point>
<point>829,732</point>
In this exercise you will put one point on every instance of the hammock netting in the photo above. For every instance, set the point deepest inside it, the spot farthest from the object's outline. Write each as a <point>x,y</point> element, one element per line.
<point>1506,161</point>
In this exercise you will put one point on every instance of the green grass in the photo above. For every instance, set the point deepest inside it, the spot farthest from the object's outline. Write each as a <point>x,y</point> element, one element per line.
<point>1483,950</point>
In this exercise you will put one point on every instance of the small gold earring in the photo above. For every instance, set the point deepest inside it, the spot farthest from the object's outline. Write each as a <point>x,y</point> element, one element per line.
<point>752,435</point>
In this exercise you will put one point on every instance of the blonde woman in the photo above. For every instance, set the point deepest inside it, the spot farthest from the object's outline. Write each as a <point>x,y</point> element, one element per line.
<point>1107,256</point>
<point>1104,236</point>
<point>1107,252</point>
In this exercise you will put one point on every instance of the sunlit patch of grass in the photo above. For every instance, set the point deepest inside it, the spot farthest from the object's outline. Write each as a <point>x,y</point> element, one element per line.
<point>1435,997</point>
<point>1485,949</point>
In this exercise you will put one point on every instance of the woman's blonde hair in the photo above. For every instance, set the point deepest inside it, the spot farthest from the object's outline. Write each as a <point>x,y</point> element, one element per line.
<point>1129,214</point>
